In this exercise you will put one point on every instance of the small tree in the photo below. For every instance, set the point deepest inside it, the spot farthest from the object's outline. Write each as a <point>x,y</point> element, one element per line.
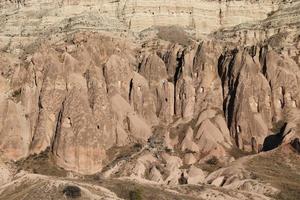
<point>72,191</point>
<point>135,195</point>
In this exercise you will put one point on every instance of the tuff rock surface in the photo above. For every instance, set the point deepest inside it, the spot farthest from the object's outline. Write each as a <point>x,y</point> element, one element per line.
<point>167,96</point>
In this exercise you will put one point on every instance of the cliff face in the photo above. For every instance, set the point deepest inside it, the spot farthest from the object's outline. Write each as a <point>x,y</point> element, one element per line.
<point>24,21</point>
<point>203,16</point>
<point>82,97</point>
<point>125,88</point>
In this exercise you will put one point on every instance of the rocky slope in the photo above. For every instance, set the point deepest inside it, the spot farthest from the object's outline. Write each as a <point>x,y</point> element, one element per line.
<point>98,94</point>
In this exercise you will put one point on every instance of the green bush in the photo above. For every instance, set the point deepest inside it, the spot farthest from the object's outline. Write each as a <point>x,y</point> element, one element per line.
<point>72,192</point>
<point>16,95</point>
<point>278,126</point>
<point>135,195</point>
<point>212,161</point>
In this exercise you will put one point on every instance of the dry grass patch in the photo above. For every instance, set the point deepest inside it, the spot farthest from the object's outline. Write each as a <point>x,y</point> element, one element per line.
<point>41,164</point>
<point>281,169</point>
<point>174,34</point>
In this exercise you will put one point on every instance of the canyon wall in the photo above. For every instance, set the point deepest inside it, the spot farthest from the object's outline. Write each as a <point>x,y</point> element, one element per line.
<point>25,21</point>
<point>82,97</point>
<point>203,16</point>
<point>77,93</point>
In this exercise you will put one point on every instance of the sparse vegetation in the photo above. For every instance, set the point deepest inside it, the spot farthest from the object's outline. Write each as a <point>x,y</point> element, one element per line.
<point>212,161</point>
<point>137,146</point>
<point>93,177</point>
<point>135,195</point>
<point>115,154</point>
<point>124,189</point>
<point>16,95</point>
<point>72,192</point>
<point>271,13</point>
<point>282,171</point>
<point>296,144</point>
<point>182,180</point>
<point>238,153</point>
<point>211,165</point>
<point>41,164</point>
<point>173,34</point>
<point>277,127</point>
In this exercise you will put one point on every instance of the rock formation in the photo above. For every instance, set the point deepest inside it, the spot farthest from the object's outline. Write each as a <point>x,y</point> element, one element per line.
<point>159,92</point>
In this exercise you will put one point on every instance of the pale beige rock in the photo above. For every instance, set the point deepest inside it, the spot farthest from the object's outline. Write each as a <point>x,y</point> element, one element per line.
<point>142,99</point>
<point>53,85</point>
<point>207,114</point>
<point>154,70</point>
<point>15,130</point>
<point>185,98</point>
<point>166,101</point>
<point>290,133</point>
<point>101,107</point>
<point>202,16</point>
<point>138,128</point>
<point>283,75</point>
<point>77,145</point>
<point>208,137</point>
<point>173,164</point>
<point>122,137</point>
<point>171,58</point>
<point>195,175</point>
<point>118,73</point>
<point>155,175</point>
<point>219,181</point>
<point>142,164</point>
<point>48,187</point>
<point>93,101</point>
<point>170,142</point>
<point>207,83</point>
<point>5,173</point>
<point>120,106</point>
<point>221,124</point>
<point>248,111</point>
<point>254,186</point>
<point>84,93</point>
<point>189,159</point>
<point>188,144</point>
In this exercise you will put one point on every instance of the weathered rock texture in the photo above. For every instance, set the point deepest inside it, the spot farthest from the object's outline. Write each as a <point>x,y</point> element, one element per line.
<point>82,81</point>
<point>28,20</point>
<point>82,97</point>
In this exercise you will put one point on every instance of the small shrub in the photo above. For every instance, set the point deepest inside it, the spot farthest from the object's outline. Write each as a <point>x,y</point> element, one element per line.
<point>212,161</point>
<point>138,146</point>
<point>211,165</point>
<point>238,153</point>
<point>16,95</point>
<point>278,126</point>
<point>173,34</point>
<point>135,195</point>
<point>270,13</point>
<point>72,192</point>
<point>182,180</point>
<point>296,144</point>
